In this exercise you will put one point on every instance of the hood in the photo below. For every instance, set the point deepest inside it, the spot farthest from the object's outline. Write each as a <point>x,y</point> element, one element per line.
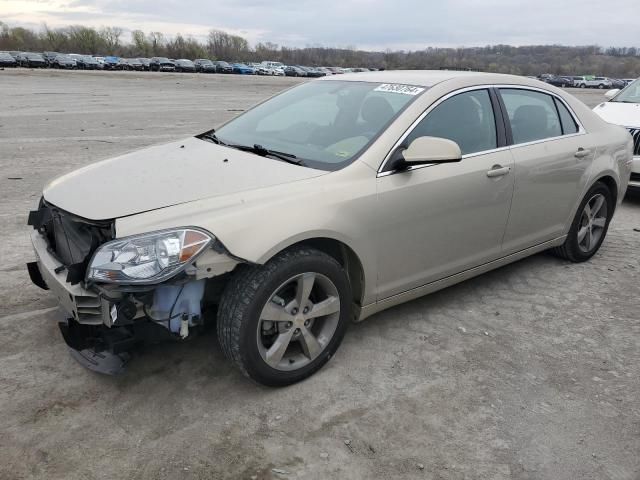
<point>618,113</point>
<point>164,175</point>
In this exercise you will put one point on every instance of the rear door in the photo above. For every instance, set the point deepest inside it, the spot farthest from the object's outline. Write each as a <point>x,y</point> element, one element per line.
<point>551,153</point>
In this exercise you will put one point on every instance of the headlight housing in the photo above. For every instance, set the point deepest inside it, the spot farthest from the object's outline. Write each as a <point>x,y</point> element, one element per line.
<point>148,258</point>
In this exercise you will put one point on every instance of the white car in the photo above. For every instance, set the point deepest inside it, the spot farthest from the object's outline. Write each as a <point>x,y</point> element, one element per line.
<point>623,108</point>
<point>263,69</point>
<point>274,68</point>
<point>592,82</point>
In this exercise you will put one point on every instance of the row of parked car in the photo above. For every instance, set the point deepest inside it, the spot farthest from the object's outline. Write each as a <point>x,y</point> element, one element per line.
<point>162,64</point>
<point>585,81</point>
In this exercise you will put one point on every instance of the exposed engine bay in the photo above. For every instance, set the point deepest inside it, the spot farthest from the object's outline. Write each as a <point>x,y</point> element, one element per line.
<point>102,322</point>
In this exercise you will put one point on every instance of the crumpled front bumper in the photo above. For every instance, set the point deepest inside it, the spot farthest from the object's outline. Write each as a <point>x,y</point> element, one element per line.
<point>83,315</point>
<point>83,305</point>
<point>101,327</point>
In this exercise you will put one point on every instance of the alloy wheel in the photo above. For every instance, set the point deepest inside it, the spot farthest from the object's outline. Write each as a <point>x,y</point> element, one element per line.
<point>298,321</point>
<point>592,223</point>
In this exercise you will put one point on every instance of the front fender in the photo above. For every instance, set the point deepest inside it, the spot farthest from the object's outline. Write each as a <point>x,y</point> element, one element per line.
<point>255,225</point>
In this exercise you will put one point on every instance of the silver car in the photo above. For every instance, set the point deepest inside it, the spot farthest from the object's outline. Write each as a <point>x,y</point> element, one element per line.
<point>320,207</point>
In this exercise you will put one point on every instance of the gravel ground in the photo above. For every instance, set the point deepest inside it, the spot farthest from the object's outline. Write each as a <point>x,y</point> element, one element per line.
<point>529,372</point>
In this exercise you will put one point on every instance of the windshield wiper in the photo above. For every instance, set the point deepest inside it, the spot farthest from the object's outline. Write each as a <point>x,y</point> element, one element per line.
<point>211,136</point>
<point>260,150</point>
<point>257,149</point>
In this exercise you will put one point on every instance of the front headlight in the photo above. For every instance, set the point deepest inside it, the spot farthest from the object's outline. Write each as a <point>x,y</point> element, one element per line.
<point>147,258</point>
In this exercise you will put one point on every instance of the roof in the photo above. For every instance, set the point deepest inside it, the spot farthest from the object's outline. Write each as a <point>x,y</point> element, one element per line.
<point>429,78</point>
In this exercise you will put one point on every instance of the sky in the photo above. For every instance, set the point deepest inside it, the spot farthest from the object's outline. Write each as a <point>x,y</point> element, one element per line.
<point>364,24</point>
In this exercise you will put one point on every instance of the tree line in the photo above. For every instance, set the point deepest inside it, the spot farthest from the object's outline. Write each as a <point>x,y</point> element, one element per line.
<point>523,60</point>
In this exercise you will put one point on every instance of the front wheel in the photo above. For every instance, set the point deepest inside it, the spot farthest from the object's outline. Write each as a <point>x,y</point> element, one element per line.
<point>589,226</point>
<point>282,321</point>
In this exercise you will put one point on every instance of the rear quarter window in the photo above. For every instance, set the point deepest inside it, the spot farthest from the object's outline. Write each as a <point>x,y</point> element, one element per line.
<point>569,125</point>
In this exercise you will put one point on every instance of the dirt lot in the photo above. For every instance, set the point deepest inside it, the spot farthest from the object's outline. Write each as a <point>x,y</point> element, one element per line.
<point>529,372</point>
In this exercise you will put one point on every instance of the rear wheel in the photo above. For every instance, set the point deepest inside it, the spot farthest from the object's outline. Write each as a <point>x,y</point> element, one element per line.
<point>281,322</point>
<point>589,226</point>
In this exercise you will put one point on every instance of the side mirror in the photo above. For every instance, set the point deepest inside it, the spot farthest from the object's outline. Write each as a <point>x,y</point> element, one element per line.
<point>611,93</point>
<point>425,150</point>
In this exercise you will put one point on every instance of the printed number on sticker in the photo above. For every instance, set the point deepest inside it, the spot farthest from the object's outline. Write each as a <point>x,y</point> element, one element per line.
<point>398,88</point>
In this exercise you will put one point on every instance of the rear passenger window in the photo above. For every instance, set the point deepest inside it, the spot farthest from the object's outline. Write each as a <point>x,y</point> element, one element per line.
<point>466,118</point>
<point>533,115</point>
<point>568,123</point>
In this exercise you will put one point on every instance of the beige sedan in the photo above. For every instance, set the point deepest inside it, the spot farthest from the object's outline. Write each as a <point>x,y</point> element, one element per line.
<point>321,206</point>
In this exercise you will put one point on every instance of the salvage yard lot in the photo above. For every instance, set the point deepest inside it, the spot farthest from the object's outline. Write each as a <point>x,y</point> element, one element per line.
<point>529,372</point>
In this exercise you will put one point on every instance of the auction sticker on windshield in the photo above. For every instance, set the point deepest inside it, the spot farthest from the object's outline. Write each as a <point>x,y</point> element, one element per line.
<point>398,88</point>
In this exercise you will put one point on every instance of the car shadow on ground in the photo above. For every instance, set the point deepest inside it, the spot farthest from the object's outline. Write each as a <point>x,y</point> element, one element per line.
<point>201,358</point>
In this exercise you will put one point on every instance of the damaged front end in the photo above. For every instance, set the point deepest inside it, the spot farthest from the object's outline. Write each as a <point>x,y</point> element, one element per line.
<point>115,293</point>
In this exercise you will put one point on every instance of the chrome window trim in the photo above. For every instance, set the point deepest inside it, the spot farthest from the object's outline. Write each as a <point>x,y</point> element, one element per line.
<point>581,129</point>
<point>544,140</point>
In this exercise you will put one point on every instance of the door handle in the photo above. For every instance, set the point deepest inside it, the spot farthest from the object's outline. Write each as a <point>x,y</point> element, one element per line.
<point>498,171</point>
<point>581,153</point>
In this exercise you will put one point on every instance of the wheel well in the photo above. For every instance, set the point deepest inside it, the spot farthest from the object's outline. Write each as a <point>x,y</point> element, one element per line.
<point>346,257</point>
<point>612,186</point>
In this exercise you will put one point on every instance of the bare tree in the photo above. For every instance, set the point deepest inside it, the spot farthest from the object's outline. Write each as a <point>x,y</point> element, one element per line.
<point>522,60</point>
<point>140,43</point>
<point>111,38</point>
<point>156,40</point>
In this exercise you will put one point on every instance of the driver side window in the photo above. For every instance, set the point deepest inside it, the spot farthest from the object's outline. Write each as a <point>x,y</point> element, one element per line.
<point>466,118</point>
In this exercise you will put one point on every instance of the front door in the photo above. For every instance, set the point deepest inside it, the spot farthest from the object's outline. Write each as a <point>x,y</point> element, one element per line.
<point>438,220</point>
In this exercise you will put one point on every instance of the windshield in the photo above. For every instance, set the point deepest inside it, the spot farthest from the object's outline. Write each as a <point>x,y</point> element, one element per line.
<point>325,124</point>
<point>631,94</point>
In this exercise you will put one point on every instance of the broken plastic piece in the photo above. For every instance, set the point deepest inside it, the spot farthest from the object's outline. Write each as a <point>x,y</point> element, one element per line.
<point>101,362</point>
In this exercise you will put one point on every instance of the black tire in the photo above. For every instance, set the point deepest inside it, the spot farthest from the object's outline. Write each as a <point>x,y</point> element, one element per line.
<point>582,85</point>
<point>247,293</point>
<point>570,249</point>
